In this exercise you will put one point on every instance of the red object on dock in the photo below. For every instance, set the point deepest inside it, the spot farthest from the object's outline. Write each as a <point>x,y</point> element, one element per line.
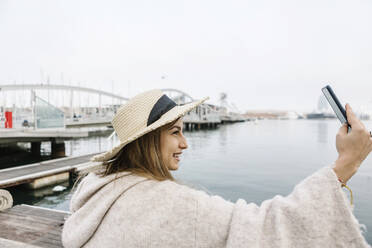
<point>8,119</point>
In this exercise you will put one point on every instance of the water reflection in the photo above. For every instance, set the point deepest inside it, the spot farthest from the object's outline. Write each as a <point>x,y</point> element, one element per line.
<point>223,136</point>
<point>47,191</point>
<point>88,145</point>
<point>322,132</point>
<point>199,139</point>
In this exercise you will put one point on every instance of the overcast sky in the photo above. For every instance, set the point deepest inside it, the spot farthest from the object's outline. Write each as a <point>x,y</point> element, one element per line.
<point>265,54</point>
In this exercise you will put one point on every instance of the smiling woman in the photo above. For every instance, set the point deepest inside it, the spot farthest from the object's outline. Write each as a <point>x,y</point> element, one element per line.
<point>132,200</point>
<point>163,147</point>
<point>172,142</point>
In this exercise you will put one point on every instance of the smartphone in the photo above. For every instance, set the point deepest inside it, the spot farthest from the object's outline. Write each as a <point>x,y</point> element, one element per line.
<point>335,104</point>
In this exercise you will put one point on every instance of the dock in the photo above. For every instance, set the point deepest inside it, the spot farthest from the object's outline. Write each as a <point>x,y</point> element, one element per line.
<point>38,175</point>
<point>35,137</point>
<point>31,135</point>
<point>30,226</point>
<point>90,123</point>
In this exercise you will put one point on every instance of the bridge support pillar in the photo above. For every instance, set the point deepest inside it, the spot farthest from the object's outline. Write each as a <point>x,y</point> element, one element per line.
<point>58,149</point>
<point>35,149</point>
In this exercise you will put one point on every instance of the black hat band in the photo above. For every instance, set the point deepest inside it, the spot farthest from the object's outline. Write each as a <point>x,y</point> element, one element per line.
<point>163,105</point>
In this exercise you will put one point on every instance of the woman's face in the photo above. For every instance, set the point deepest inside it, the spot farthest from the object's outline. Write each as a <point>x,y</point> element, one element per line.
<point>172,142</point>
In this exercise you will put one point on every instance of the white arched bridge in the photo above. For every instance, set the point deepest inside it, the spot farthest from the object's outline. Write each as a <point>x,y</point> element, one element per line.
<point>80,106</point>
<point>174,93</point>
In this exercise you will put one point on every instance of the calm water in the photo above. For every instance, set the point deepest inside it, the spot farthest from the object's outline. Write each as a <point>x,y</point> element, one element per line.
<point>246,160</point>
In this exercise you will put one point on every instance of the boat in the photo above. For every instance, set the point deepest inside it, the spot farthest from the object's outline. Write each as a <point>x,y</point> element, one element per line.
<point>320,115</point>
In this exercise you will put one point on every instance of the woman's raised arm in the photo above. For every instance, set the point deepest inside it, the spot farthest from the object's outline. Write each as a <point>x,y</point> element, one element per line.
<point>353,147</point>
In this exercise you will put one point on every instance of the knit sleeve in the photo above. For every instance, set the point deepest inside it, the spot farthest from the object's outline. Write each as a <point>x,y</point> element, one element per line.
<point>212,220</point>
<point>316,214</point>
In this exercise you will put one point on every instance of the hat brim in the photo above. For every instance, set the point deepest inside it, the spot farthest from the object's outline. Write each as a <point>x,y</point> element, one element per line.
<point>166,118</point>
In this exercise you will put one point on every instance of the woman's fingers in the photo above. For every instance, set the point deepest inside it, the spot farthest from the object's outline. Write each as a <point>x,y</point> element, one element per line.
<point>352,119</point>
<point>343,130</point>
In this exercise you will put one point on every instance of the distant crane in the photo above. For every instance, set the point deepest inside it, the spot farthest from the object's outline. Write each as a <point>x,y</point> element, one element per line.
<point>226,105</point>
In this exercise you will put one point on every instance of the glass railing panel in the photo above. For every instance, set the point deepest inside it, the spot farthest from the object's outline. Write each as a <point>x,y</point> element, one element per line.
<point>47,115</point>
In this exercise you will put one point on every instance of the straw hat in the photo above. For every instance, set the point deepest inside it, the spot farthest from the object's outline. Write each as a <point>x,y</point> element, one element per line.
<point>142,114</point>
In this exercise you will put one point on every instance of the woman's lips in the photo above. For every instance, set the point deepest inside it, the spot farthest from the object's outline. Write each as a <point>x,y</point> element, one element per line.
<point>177,156</point>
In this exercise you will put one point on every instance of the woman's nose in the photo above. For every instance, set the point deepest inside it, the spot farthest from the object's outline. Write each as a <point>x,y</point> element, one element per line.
<point>183,143</point>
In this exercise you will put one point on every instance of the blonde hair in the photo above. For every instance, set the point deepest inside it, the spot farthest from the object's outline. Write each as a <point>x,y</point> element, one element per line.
<point>141,157</point>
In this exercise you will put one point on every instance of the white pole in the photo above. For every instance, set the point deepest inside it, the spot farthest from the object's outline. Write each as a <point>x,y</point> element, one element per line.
<point>33,107</point>
<point>71,102</point>
<point>100,105</point>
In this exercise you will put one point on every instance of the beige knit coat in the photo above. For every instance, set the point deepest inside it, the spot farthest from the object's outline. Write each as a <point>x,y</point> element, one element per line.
<point>130,211</point>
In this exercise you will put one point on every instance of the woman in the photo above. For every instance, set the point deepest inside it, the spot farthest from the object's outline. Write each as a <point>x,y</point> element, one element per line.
<point>133,200</point>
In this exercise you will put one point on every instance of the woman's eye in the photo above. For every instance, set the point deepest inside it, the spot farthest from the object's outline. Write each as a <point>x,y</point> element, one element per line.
<point>176,132</point>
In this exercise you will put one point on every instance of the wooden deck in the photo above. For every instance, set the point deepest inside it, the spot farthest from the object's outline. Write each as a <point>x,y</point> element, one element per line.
<point>28,173</point>
<point>30,135</point>
<point>29,226</point>
<point>89,123</point>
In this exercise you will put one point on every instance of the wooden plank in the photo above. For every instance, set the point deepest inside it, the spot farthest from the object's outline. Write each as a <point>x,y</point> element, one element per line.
<point>28,173</point>
<point>40,212</point>
<point>14,232</point>
<point>36,226</point>
<point>6,243</point>
<point>23,170</point>
<point>31,224</point>
<point>27,221</point>
<point>49,240</point>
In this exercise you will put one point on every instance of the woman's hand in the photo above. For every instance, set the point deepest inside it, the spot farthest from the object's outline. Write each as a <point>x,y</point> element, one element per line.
<point>352,147</point>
